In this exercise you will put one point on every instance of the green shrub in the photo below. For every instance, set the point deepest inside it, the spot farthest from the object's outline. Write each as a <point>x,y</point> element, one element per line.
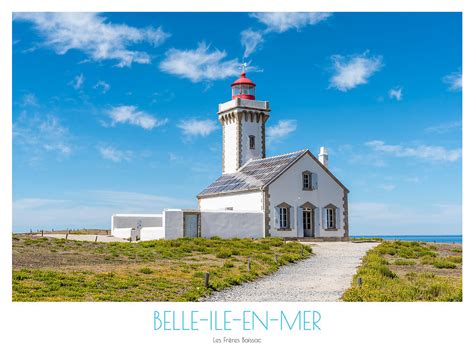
<point>146,270</point>
<point>456,250</point>
<point>444,264</point>
<point>224,253</point>
<point>455,259</point>
<point>404,262</point>
<point>228,264</point>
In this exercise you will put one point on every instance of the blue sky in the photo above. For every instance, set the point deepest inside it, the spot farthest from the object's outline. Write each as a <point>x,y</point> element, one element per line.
<point>116,112</point>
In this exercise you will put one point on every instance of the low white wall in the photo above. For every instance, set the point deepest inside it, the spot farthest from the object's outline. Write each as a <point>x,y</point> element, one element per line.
<point>150,233</point>
<point>133,220</point>
<point>173,223</point>
<point>232,224</point>
<point>123,233</point>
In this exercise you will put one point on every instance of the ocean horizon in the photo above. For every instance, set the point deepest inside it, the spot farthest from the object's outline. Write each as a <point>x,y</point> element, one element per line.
<point>457,238</point>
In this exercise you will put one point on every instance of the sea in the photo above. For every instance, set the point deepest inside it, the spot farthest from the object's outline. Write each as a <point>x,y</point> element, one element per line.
<point>418,238</point>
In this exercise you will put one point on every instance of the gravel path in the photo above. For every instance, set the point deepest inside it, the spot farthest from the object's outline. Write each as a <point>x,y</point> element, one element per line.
<point>323,277</point>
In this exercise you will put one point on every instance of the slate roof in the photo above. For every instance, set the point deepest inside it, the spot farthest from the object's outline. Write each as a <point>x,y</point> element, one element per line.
<point>253,175</point>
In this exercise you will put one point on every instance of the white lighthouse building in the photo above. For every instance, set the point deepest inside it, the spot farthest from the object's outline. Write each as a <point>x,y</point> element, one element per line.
<point>293,195</point>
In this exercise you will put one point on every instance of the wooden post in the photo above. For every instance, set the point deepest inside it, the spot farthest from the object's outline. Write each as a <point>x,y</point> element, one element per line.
<point>302,250</point>
<point>248,264</point>
<point>276,258</point>
<point>206,280</point>
<point>96,238</point>
<point>359,281</point>
<point>42,232</point>
<point>67,233</point>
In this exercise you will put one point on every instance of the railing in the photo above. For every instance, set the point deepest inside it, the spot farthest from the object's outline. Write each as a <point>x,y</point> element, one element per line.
<point>259,105</point>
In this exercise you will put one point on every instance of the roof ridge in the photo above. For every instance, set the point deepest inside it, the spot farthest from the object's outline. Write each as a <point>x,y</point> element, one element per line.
<point>276,156</point>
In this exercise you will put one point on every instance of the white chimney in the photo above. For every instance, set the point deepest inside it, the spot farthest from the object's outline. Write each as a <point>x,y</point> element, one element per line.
<point>323,156</point>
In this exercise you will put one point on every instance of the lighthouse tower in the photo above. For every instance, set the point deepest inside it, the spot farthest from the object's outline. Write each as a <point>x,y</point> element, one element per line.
<point>243,125</point>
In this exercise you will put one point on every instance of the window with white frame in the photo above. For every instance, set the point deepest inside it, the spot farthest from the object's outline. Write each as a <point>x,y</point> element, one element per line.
<point>330,218</point>
<point>307,180</point>
<point>252,142</point>
<point>284,217</point>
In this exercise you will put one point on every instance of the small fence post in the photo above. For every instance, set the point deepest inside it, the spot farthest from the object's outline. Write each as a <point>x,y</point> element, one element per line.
<point>248,264</point>
<point>96,238</point>
<point>42,233</point>
<point>276,258</point>
<point>206,280</point>
<point>359,281</point>
<point>302,250</point>
<point>67,233</point>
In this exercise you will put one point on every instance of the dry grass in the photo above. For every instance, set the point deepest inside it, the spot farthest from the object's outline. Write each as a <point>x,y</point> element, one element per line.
<point>409,271</point>
<point>48,269</point>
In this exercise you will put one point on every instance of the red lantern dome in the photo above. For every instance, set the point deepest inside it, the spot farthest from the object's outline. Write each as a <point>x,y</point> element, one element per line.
<point>243,88</point>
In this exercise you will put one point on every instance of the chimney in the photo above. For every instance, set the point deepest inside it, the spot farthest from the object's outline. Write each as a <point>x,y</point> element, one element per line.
<point>323,156</point>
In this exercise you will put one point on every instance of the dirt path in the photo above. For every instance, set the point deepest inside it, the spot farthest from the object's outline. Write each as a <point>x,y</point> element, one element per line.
<point>323,277</point>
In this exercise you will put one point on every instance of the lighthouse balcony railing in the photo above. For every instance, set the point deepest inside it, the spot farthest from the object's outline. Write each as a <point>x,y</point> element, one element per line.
<point>238,102</point>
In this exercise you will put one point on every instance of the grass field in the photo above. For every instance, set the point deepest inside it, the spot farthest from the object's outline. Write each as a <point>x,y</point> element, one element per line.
<point>409,271</point>
<point>48,269</point>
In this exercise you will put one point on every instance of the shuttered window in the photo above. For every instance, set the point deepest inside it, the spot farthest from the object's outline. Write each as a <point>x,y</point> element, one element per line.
<point>284,217</point>
<point>330,218</point>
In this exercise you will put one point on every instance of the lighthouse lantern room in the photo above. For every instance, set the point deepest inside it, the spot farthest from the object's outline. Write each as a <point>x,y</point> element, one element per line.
<point>243,88</point>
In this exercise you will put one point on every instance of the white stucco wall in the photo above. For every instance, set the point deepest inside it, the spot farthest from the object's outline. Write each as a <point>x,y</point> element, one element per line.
<point>173,223</point>
<point>288,188</point>
<point>152,233</point>
<point>251,129</point>
<point>246,201</point>
<point>230,146</point>
<point>123,233</point>
<point>232,224</point>
<point>133,220</point>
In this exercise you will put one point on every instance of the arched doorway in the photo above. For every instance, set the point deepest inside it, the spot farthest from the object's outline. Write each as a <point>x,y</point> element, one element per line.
<point>307,212</point>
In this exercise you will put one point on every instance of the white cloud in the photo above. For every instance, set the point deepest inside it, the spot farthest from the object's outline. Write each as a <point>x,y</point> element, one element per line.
<point>131,115</point>
<point>37,136</point>
<point>115,155</point>
<point>444,127</point>
<point>396,93</point>
<point>283,21</point>
<point>200,64</point>
<point>387,187</point>
<point>195,127</point>
<point>174,157</point>
<point>351,71</point>
<point>277,22</point>
<point>282,129</point>
<point>29,100</point>
<point>94,35</point>
<point>454,81</point>
<point>425,152</point>
<point>250,40</point>
<point>102,85</point>
<point>78,81</point>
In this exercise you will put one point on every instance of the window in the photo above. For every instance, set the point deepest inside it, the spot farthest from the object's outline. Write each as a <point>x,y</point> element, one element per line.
<point>307,180</point>
<point>252,142</point>
<point>330,218</point>
<point>284,217</point>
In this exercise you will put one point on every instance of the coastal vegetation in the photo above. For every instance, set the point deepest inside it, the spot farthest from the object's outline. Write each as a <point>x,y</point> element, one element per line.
<point>408,271</point>
<point>49,269</point>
